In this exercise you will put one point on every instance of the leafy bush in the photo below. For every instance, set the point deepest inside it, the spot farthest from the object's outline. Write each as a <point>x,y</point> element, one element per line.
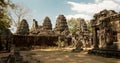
<point>60,43</point>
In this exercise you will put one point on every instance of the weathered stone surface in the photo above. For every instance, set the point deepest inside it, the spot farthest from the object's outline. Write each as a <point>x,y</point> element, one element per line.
<point>106,29</point>
<point>104,13</point>
<point>46,33</point>
<point>26,42</point>
<point>61,24</point>
<point>82,37</point>
<point>34,26</point>
<point>82,26</point>
<point>106,32</point>
<point>47,24</point>
<point>103,28</point>
<point>45,29</point>
<point>23,28</point>
<point>6,38</point>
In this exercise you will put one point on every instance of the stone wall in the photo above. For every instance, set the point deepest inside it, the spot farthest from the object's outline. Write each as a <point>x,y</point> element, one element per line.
<point>28,41</point>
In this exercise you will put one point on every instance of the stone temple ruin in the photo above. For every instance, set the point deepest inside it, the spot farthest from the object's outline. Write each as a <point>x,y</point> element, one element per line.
<point>46,29</point>
<point>61,24</point>
<point>62,30</point>
<point>34,26</point>
<point>47,24</point>
<point>82,26</point>
<point>42,35</point>
<point>23,28</point>
<point>105,26</point>
<point>104,38</point>
<point>82,36</point>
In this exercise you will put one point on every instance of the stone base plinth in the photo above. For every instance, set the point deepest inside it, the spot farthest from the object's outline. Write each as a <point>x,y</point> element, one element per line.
<point>105,53</point>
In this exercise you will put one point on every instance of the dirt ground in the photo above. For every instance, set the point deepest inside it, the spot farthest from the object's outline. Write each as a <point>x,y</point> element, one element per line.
<point>63,56</point>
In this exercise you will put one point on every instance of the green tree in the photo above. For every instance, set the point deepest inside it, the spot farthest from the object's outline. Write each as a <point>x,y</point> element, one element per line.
<point>73,23</point>
<point>4,18</point>
<point>89,26</point>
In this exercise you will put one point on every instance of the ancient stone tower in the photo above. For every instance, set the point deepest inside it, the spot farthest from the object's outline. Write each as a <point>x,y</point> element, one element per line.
<point>82,26</point>
<point>34,26</point>
<point>61,24</point>
<point>47,24</point>
<point>23,28</point>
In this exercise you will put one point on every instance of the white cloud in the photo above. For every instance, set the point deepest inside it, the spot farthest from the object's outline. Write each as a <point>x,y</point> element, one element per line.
<point>85,16</point>
<point>88,9</point>
<point>118,1</point>
<point>98,1</point>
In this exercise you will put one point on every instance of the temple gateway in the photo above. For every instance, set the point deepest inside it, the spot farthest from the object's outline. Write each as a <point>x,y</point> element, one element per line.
<point>106,33</point>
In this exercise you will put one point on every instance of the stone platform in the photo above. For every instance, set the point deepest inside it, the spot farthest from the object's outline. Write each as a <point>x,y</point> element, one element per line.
<point>105,53</point>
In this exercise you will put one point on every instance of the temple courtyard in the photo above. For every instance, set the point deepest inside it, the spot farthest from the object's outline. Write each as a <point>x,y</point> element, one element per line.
<point>63,56</point>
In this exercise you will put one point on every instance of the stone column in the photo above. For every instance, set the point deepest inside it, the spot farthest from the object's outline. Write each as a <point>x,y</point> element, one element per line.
<point>0,44</point>
<point>95,42</point>
<point>118,38</point>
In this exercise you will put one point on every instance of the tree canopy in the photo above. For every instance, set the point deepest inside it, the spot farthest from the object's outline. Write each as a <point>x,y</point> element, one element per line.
<point>18,13</point>
<point>4,18</point>
<point>73,23</point>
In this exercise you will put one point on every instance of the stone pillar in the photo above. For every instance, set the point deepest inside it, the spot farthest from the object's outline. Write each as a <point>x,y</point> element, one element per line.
<point>0,44</point>
<point>95,42</point>
<point>118,37</point>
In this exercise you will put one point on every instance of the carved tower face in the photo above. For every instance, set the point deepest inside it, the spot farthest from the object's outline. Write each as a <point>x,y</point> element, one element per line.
<point>47,24</point>
<point>61,24</point>
<point>23,28</point>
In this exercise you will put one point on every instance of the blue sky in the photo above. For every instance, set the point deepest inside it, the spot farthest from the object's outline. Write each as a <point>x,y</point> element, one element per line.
<point>42,8</point>
<point>70,8</point>
<point>51,8</point>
